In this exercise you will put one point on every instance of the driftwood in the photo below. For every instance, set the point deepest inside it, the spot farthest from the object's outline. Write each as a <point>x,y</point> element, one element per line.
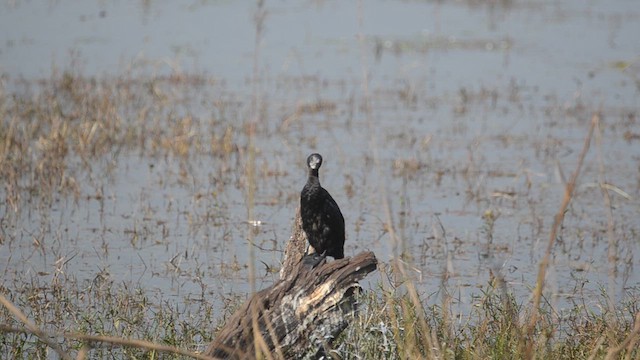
<point>299,315</point>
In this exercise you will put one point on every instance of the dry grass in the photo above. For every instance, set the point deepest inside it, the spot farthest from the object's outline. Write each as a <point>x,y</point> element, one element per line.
<point>54,133</point>
<point>126,323</point>
<point>110,321</point>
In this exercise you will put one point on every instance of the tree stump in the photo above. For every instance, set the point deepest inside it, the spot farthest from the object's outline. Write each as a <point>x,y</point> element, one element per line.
<point>295,248</point>
<point>299,315</point>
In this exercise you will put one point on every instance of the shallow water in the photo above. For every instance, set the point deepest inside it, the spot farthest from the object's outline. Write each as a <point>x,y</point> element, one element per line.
<point>473,108</point>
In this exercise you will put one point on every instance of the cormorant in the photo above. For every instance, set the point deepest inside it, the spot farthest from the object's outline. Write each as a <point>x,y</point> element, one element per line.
<point>322,220</point>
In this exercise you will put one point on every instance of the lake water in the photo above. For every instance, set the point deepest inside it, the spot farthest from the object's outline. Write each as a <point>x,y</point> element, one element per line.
<point>429,115</point>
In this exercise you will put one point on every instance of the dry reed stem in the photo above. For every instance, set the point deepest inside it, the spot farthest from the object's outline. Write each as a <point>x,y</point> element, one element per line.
<point>273,336</point>
<point>32,328</point>
<point>613,244</point>
<point>557,220</point>
<point>83,352</point>
<point>141,344</point>
<point>594,351</point>
<point>432,347</point>
<point>260,344</point>
<point>256,105</point>
<point>629,341</point>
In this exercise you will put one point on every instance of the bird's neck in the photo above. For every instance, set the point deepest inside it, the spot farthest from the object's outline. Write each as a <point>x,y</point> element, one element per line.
<point>313,176</point>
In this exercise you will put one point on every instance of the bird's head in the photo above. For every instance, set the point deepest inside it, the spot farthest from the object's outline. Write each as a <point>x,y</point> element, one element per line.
<point>314,161</point>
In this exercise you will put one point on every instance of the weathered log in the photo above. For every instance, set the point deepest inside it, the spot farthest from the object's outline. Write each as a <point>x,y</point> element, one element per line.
<point>295,248</point>
<point>300,314</point>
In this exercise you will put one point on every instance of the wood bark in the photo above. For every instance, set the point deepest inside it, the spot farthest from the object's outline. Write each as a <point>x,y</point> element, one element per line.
<point>300,315</point>
<point>295,248</point>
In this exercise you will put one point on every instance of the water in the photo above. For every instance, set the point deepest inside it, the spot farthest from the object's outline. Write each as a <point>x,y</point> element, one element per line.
<point>474,108</point>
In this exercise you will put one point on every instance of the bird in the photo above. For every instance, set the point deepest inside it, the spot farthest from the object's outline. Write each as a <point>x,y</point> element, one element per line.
<point>322,220</point>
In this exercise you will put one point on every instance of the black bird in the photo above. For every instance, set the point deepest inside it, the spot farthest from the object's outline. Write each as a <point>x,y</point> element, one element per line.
<point>322,220</point>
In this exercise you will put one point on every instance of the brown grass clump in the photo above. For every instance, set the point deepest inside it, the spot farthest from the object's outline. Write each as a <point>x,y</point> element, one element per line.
<point>56,130</point>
